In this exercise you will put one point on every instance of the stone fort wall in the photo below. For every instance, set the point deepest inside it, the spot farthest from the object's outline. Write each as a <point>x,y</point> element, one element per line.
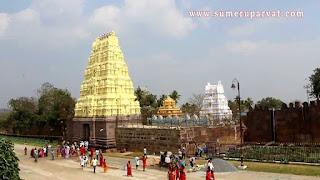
<point>297,123</point>
<point>160,139</point>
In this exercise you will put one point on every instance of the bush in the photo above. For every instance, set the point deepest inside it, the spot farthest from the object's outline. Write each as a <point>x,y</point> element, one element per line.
<point>8,161</point>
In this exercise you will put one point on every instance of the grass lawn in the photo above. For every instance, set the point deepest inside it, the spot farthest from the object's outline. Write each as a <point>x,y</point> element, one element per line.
<point>280,168</point>
<point>29,141</point>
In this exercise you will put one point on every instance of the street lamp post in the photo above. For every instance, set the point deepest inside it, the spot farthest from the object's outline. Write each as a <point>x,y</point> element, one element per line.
<point>233,86</point>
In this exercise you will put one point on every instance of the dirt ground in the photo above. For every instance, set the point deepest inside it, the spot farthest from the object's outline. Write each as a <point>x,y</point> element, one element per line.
<point>65,169</point>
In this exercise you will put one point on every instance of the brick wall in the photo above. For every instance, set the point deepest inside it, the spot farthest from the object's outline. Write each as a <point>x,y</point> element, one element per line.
<point>296,123</point>
<point>155,140</point>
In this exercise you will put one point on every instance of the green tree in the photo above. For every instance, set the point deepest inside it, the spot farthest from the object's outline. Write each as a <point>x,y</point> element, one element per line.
<point>244,105</point>
<point>161,99</point>
<point>9,168</point>
<point>270,102</point>
<point>175,95</point>
<point>139,93</point>
<point>315,84</point>
<point>4,121</point>
<point>248,102</point>
<point>194,104</point>
<point>190,109</point>
<point>148,103</point>
<point>55,106</point>
<point>23,114</point>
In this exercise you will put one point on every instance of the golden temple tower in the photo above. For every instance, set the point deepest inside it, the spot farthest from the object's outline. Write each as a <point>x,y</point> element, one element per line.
<point>107,89</point>
<point>169,108</point>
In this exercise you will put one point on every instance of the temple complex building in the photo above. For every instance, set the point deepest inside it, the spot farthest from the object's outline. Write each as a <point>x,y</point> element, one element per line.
<point>169,108</point>
<point>106,94</point>
<point>215,104</point>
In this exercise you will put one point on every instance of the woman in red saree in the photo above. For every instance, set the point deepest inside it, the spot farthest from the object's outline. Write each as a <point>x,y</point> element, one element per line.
<point>83,150</point>
<point>144,162</point>
<point>171,174</point>
<point>25,151</point>
<point>177,170</point>
<point>182,173</point>
<point>105,168</point>
<point>32,153</point>
<point>42,153</point>
<point>208,177</point>
<point>101,160</point>
<point>72,151</point>
<point>129,172</point>
<point>92,150</point>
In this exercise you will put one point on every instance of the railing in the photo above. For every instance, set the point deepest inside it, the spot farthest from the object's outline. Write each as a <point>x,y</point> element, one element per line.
<point>283,152</point>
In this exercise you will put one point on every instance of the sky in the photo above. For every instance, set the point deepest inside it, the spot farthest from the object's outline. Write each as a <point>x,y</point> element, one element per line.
<point>165,49</point>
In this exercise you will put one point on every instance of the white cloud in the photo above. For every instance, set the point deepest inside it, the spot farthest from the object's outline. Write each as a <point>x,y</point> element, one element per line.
<point>160,17</point>
<point>275,49</point>
<point>107,17</point>
<point>253,26</point>
<point>4,21</point>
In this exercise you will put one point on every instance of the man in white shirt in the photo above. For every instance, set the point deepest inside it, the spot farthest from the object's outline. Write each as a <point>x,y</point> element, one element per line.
<point>94,163</point>
<point>136,159</point>
<point>180,154</point>
<point>81,161</point>
<point>145,151</point>
<point>97,153</point>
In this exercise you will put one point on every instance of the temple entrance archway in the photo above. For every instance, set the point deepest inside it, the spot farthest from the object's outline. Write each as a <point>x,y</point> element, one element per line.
<point>86,132</point>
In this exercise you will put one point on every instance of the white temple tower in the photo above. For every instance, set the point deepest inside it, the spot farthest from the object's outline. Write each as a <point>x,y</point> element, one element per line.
<point>215,104</point>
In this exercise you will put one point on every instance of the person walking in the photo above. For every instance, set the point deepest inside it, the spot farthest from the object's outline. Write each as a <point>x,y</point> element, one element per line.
<point>180,154</point>
<point>85,159</point>
<point>145,152</point>
<point>82,161</point>
<point>36,155</point>
<point>208,176</point>
<point>136,159</point>
<point>25,151</point>
<point>192,161</point>
<point>144,163</point>
<point>32,153</point>
<point>97,153</point>
<point>183,153</point>
<point>200,150</point>
<point>101,160</point>
<point>182,173</point>
<point>177,170</point>
<point>212,170</point>
<point>205,149</point>
<point>171,174</point>
<point>129,171</point>
<point>94,163</point>
<point>52,154</point>
<point>105,168</point>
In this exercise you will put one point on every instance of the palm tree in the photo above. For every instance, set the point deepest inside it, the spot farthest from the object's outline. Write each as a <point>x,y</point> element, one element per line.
<point>175,96</point>
<point>161,99</point>
<point>248,102</point>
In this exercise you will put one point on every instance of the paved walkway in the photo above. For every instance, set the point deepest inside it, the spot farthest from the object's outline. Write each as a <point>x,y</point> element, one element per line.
<point>68,169</point>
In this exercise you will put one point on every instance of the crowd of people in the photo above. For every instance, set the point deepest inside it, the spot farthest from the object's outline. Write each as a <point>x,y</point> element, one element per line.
<point>91,158</point>
<point>176,163</point>
<point>38,152</point>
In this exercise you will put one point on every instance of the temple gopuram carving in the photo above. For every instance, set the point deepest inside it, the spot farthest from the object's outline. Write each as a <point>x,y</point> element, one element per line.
<point>215,105</point>
<point>169,108</point>
<point>106,95</point>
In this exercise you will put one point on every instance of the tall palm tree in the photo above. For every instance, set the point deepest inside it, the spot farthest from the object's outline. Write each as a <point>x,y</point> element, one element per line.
<point>175,95</point>
<point>161,99</point>
<point>248,102</point>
